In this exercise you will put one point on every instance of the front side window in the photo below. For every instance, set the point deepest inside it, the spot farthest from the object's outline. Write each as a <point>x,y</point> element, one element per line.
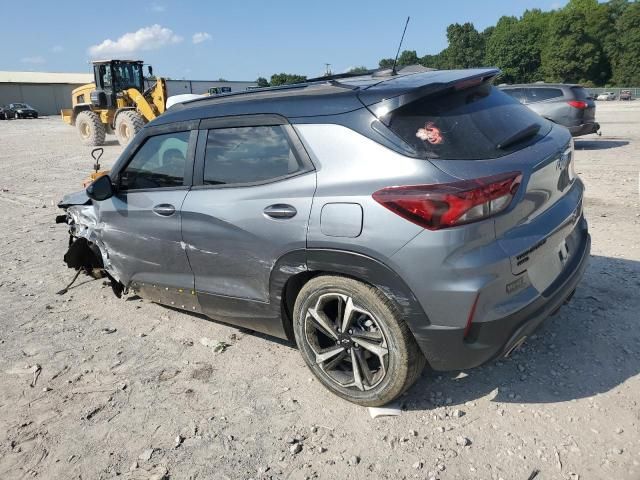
<point>159,163</point>
<point>248,155</point>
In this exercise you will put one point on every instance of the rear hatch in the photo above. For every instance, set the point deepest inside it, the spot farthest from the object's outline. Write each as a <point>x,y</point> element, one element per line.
<point>471,130</point>
<point>581,95</point>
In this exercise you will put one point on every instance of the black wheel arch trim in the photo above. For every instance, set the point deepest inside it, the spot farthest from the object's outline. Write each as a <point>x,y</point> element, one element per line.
<point>356,265</point>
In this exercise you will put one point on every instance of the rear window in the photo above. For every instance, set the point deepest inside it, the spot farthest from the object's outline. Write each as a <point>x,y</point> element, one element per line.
<point>580,93</point>
<point>466,124</point>
<point>536,94</point>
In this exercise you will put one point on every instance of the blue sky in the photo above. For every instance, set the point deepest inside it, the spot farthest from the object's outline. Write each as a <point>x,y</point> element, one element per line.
<point>238,40</point>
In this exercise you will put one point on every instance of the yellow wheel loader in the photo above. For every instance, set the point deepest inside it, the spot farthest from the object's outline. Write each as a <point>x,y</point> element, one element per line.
<point>116,102</point>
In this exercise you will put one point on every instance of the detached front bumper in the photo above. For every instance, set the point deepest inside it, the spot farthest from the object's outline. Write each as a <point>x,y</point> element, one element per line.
<point>584,129</point>
<point>447,349</point>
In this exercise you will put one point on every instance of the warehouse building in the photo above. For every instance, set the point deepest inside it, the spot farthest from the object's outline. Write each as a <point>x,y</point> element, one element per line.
<point>46,92</point>
<point>51,92</point>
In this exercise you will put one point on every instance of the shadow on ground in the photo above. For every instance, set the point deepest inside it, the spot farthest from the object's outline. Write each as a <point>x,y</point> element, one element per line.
<point>592,345</point>
<point>598,144</point>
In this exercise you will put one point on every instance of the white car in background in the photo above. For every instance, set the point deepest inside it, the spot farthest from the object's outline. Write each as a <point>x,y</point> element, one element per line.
<point>606,96</point>
<point>185,97</point>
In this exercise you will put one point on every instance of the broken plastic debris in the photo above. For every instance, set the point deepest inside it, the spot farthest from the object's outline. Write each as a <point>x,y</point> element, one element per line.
<point>217,346</point>
<point>390,411</point>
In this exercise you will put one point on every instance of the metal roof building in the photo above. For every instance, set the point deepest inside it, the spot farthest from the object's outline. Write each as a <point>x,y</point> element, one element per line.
<point>49,92</point>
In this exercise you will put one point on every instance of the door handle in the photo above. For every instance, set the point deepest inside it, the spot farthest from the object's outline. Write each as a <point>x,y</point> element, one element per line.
<point>164,209</point>
<point>280,210</point>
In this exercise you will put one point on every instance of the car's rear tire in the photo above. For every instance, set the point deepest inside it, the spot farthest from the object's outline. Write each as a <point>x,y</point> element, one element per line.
<point>90,128</point>
<point>128,123</point>
<point>374,360</point>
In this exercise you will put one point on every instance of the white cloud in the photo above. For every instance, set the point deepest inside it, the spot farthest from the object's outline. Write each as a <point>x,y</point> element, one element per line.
<point>200,37</point>
<point>33,60</point>
<point>157,8</point>
<point>147,38</point>
<point>57,49</point>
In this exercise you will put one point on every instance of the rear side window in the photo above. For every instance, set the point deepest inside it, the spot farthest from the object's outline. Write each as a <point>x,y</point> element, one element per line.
<point>542,94</point>
<point>517,93</point>
<point>248,155</point>
<point>465,124</point>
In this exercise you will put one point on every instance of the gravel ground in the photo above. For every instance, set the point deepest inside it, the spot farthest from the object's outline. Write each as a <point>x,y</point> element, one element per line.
<point>94,387</point>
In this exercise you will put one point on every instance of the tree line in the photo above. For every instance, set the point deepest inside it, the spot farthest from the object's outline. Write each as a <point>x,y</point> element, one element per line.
<point>586,42</point>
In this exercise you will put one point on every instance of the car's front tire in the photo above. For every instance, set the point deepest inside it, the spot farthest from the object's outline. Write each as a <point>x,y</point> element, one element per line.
<point>354,340</point>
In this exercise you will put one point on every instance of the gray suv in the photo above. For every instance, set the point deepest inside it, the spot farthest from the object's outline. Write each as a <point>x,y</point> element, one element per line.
<point>380,222</point>
<point>568,105</point>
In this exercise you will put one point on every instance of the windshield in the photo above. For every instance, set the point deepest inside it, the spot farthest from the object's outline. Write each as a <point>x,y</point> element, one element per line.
<point>128,75</point>
<point>20,105</point>
<point>467,124</point>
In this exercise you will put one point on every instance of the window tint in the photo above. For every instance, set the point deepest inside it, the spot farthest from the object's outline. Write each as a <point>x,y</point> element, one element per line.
<point>542,94</point>
<point>247,155</point>
<point>516,93</point>
<point>466,124</point>
<point>580,93</point>
<point>160,162</point>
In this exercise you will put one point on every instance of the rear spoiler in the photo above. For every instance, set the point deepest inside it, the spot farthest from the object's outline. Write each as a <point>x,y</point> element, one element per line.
<point>396,92</point>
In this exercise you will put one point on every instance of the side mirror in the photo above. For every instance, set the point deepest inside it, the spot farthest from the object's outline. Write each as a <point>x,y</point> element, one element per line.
<point>150,70</point>
<point>100,189</point>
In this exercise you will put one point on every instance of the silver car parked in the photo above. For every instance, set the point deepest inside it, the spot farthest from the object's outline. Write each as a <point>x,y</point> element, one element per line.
<point>567,105</point>
<point>380,222</point>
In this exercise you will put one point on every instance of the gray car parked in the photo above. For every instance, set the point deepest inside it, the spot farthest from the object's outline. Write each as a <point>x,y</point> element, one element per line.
<point>567,105</point>
<point>380,222</point>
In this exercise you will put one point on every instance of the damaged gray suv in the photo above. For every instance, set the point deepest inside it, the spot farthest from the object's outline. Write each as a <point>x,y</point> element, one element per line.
<point>380,222</point>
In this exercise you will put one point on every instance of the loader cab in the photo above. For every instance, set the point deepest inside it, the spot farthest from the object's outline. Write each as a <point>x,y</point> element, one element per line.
<point>112,77</point>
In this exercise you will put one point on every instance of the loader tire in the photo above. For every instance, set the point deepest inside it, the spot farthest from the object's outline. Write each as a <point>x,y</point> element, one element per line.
<point>91,129</point>
<point>128,123</point>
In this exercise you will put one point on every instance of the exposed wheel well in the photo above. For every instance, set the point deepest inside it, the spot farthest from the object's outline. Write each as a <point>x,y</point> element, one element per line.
<point>289,294</point>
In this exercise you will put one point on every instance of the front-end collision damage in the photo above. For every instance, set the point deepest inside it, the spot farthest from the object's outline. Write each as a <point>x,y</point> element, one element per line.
<point>86,252</point>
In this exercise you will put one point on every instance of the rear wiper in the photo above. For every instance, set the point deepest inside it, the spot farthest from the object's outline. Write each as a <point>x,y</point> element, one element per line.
<point>519,136</point>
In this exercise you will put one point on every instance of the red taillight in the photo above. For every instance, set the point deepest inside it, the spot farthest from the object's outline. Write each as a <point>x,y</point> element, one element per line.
<point>578,104</point>
<point>450,204</point>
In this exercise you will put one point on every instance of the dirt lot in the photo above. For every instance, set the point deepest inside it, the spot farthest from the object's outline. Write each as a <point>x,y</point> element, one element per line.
<point>96,387</point>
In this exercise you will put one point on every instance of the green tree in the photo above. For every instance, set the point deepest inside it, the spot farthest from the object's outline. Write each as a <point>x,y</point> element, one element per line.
<point>286,78</point>
<point>436,61</point>
<point>407,57</point>
<point>386,63</point>
<point>466,46</point>
<point>262,82</point>
<point>626,61</point>
<point>573,51</point>
<point>515,46</point>
<point>361,69</point>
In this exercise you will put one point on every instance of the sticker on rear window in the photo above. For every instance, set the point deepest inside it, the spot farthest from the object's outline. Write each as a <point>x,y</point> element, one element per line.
<point>430,133</point>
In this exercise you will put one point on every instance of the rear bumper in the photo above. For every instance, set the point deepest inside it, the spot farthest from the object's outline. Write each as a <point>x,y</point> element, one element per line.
<point>447,349</point>
<point>584,129</point>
